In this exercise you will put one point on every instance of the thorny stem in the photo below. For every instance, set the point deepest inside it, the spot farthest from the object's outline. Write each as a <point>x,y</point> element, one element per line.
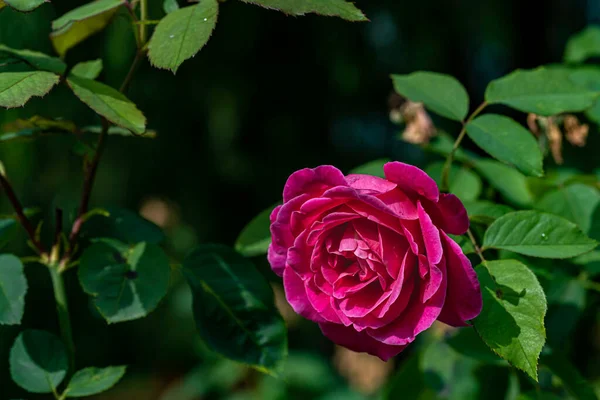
<point>461,135</point>
<point>475,245</point>
<point>16,204</point>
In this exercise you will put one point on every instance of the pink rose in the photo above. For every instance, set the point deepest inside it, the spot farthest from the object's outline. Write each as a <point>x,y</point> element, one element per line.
<point>369,259</point>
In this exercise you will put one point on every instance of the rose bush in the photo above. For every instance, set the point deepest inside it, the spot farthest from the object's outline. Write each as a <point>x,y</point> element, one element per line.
<point>369,259</point>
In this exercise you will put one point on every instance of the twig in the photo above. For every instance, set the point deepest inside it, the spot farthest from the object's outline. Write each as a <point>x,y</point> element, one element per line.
<point>477,248</point>
<point>461,135</point>
<point>16,204</point>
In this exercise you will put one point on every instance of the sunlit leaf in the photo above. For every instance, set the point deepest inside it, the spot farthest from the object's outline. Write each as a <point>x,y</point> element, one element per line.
<point>255,238</point>
<point>583,45</point>
<point>540,91</point>
<point>537,234</point>
<point>38,361</point>
<point>507,141</point>
<point>575,202</point>
<point>16,88</point>
<point>88,69</point>
<point>330,8</point>
<point>82,22</point>
<point>234,307</point>
<point>512,320</point>
<point>442,94</point>
<point>23,5</point>
<point>90,381</point>
<point>36,59</point>
<point>13,287</point>
<point>511,184</point>
<point>125,285</point>
<point>181,34</point>
<point>109,103</point>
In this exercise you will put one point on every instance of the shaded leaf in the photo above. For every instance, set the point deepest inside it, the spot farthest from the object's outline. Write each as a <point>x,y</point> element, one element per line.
<point>82,22</point>
<point>408,382</point>
<point>507,141</point>
<point>117,130</point>
<point>181,34</point>
<point>462,182</point>
<point>468,343</point>
<point>583,45</point>
<point>125,285</point>
<point>88,69</point>
<point>124,225</point>
<point>511,184</point>
<point>90,381</point>
<point>374,168</point>
<point>38,361</point>
<point>440,93</point>
<point>464,242</point>
<point>8,228</point>
<point>537,234</point>
<point>442,144</point>
<point>234,307</point>
<point>330,8</point>
<point>540,91</point>
<point>36,59</point>
<point>255,238</point>
<point>109,103</point>
<point>575,202</point>
<point>485,212</point>
<point>13,287</point>
<point>170,5</point>
<point>16,88</point>
<point>512,320</point>
<point>23,5</point>
<point>591,262</point>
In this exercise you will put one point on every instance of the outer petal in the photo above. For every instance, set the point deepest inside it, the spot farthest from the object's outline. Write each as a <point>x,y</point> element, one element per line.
<point>431,237</point>
<point>411,178</point>
<point>368,184</point>
<point>463,298</point>
<point>316,180</point>
<point>295,294</point>
<point>359,341</point>
<point>449,214</point>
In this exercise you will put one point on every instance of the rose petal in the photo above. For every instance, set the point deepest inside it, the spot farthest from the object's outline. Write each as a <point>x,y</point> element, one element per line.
<point>463,299</point>
<point>296,296</point>
<point>359,341</point>
<point>448,214</point>
<point>431,237</point>
<point>411,178</point>
<point>367,184</point>
<point>313,181</point>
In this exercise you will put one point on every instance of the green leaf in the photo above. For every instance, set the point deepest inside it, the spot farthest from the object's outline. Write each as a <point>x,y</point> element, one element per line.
<point>583,45</point>
<point>462,181</point>
<point>88,69</point>
<point>443,143</point>
<point>408,382</point>
<point>38,361</point>
<point>464,242</point>
<point>109,103</point>
<point>591,262</point>
<point>90,381</point>
<point>170,5</point>
<point>374,168</point>
<point>117,130</point>
<point>512,320</point>
<point>575,202</point>
<point>124,225</point>
<point>233,307</point>
<point>329,8</point>
<point>535,395</point>
<point>82,22</point>
<point>511,184</point>
<point>8,227</point>
<point>181,34</point>
<point>255,238</point>
<point>537,234</point>
<point>442,94</point>
<point>125,285</point>
<point>540,91</point>
<point>507,141</point>
<point>485,212</point>
<point>36,59</point>
<point>13,287</point>
<point>16,88</point>
<point>572,380</point>
<point>468,343</point>
<point>23,5</point>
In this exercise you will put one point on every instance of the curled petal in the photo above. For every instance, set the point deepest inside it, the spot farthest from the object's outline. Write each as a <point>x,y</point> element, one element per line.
<point>463,299</point>
<point>449,214</point>
<point>431,237</point>
<point>314,181</point>
<point>359,341</point>
<point>411,178</point>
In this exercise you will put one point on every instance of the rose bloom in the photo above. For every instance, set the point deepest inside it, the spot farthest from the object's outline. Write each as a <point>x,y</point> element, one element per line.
<point>369,259</point>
